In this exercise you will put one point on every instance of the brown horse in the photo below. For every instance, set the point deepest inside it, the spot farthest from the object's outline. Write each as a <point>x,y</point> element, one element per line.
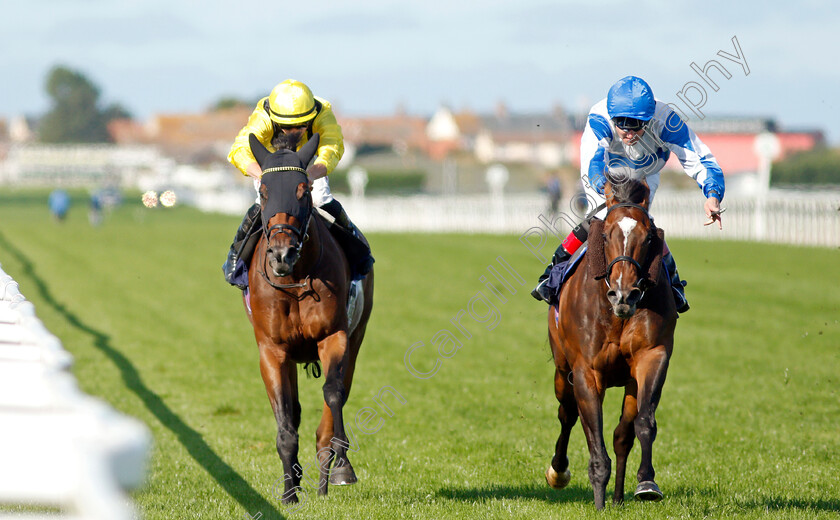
<point>613,326</point>
<point>299,281</point>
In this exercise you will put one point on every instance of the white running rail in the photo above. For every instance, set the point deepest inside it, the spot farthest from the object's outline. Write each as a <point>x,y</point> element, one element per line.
<point>60,449</point>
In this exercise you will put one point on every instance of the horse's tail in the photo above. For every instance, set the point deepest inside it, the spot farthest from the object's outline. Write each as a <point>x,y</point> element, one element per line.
<point>313,370</point>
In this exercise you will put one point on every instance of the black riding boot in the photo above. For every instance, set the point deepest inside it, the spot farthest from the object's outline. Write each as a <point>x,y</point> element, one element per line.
<point>676,284</point>
<point>541,291</point>
<point>239,240</point>
<point>364,260</point>
<point>578,236</point>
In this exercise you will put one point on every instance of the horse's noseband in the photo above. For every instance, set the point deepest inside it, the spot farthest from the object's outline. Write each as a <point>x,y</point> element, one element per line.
<point>300,233</point>
<point>622,258</point>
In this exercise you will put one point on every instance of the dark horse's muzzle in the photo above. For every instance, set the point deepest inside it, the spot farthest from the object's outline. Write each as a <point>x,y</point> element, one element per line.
<point>283,252</point>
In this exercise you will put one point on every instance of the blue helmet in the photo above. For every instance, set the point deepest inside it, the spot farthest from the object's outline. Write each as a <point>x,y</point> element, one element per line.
<point>631,97</point>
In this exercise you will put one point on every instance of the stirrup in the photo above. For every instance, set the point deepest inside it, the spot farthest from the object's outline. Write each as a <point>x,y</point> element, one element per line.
<point>541,292</point>
<point>679,298</point>
<point>230,271</point>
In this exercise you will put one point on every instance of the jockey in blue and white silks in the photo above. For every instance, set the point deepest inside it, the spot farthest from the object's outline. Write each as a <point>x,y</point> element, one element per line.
<point>632,133</point>
<point>663,134</point>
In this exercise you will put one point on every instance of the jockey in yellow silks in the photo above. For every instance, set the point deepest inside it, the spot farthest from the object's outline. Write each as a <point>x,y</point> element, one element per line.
<point>290,111</point>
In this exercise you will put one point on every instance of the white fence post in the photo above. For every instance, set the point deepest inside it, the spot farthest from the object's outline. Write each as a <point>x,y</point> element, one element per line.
<point>58,446</point>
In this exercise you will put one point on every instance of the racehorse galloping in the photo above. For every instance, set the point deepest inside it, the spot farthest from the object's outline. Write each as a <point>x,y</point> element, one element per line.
<point>614,326</point>
<point>299,281</point>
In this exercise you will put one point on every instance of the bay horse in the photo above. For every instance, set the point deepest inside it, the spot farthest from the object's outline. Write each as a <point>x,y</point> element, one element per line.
<point>299,280</point>
<point>613,326</point>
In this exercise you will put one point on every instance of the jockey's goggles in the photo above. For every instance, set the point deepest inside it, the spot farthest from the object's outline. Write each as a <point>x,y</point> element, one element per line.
<point>296,126</point>
<point>629,124</point>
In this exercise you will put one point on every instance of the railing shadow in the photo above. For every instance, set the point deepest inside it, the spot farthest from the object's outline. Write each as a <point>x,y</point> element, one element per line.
<point>233,483</point>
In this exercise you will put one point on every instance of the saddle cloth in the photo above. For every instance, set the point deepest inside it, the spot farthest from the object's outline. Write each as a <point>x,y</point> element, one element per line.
<point>560,273</point>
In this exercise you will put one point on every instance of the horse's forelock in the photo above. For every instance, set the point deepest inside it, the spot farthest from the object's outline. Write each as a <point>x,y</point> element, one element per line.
<point>285,141</point>
<point>627,189</point>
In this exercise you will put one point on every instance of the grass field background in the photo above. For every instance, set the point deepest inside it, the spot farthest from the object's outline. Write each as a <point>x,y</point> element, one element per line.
<point>749,424</point>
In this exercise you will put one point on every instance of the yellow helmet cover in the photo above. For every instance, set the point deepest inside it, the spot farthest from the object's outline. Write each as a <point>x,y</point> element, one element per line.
<point>291,103</point>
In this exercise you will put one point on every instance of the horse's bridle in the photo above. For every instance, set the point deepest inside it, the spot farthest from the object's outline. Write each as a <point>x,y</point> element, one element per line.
<point>625,258</point>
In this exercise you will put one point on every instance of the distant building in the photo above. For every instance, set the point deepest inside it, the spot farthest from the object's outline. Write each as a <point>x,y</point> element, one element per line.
<point>191,138</point>
<point>546,140</point>
<point>78,164</point>
<point>443,134</point>
<point>543,139</point>
<point>399,132</point>
<point>20,130</point>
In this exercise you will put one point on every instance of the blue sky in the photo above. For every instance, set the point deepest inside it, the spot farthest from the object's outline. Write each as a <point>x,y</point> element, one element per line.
<point>370,56</point>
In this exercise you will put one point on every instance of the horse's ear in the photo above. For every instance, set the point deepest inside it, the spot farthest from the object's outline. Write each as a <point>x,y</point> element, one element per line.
<point>309,150</point>
<point>302,188</point>
<point>260,152</point>
<point>646,201</point>
<point>608,193</point>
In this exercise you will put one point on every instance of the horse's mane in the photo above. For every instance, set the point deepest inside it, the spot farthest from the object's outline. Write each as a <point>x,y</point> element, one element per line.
<point>283,141</point>
<point>628,189</point>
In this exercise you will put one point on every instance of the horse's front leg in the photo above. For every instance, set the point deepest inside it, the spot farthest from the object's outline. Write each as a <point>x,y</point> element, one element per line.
<point>331,437</point>
<point>623,438</point>
<point>558,475</point>
<point>651,368</point>
<point>589,395</point>
<point>280,378</point>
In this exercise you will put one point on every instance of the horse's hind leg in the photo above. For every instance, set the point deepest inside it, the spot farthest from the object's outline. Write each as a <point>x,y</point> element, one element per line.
<point>558,475</point>
<point>280,378</point>
<point>623,438</point>
<point>650,377</point>
<point>332,442</point>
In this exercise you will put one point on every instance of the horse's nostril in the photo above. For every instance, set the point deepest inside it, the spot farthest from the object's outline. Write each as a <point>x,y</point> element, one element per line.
<point>635,296</point>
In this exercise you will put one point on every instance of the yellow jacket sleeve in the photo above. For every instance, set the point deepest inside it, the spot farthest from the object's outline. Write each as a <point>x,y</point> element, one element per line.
<point>330,147</point>
<point>261,126</point>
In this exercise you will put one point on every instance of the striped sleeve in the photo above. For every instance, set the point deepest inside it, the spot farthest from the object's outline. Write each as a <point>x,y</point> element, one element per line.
<point>593,151</point>
<point>694,156</point>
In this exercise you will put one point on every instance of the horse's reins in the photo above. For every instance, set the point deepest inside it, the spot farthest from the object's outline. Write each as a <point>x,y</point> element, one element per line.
<point>625,258</point>
<point>301,234</point>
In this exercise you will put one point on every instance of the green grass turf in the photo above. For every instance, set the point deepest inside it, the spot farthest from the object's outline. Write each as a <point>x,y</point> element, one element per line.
<point>749,425</point>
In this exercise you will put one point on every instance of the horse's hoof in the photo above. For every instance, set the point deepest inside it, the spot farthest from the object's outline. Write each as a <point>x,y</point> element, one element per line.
<point>290,498</point>
<point>342,476</point>
<point>557,480</point>
<point>648,491</point>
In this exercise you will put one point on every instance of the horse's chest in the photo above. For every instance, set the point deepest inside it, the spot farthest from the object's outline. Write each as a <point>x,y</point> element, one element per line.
<point>296,325</point>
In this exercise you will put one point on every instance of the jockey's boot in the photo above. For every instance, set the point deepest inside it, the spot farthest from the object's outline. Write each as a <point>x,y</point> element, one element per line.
<point>364,262</point>
<point>676,284</point>
<point>542,292</point>
<point>562,255</point>
<point>251,217</point>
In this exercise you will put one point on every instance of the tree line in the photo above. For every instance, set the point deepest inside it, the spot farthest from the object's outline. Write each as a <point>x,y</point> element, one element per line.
<point>76,114</point>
